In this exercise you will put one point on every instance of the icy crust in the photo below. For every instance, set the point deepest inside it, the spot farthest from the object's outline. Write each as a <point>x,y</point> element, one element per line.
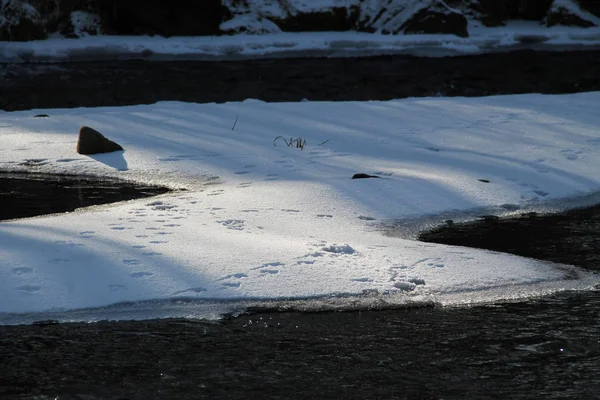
<point>515,35</point>
<point>264,224</point>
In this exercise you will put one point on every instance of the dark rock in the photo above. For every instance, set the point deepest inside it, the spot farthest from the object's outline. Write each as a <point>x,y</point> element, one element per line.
<point>592,6</point>
<point>338,19</point>
<point>436,18</point>
<point>364,176</point>
<point>559,15</point>
<point>166,18</point>
<point>41,116</point>
<point>491,13</point>
<point>93,142</point>
<point>535,10</point>
<point>21,22</point>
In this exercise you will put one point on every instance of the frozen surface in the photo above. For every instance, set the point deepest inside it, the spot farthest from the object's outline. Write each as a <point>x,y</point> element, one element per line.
<point>515,35</point>
<point>263,223</point>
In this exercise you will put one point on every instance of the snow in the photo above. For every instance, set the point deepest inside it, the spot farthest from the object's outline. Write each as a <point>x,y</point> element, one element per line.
<point>573,8</point>
<point>270,225</point>
<point>515,35</point>
<point>85,23</point>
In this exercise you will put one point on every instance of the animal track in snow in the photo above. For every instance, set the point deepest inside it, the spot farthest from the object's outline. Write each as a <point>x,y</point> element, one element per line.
<point>21,270</point>
<point>269,271</point>
<point>177,157</point>
<point>238,275</point>
<point>58,260</point>
<point>29,288</point>
<point>190,290</point>
<point>431,262</point>
<point>571,154</point>
<point>160,205</point>
<point>141,274</point>
<point>131,262</point>
<point>365,218</point>
<point>324,216</point>
<point>34,162</point>
<point>233,224</point>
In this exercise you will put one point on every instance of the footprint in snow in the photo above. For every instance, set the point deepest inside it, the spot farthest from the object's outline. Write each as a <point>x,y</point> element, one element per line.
<point>58,260</point>
<point>29,288</point>
<point>190,290</point>
<point>21,270</point>
<point>233,224</point>
<point>142,274</point>
<point>269,271</point>
<point>267,265</point>
<point>571,154</point>
<point>116,287</point>
<point>238,275</point>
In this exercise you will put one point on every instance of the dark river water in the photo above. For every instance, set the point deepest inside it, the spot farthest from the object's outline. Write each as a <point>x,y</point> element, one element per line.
<point>542,348</point>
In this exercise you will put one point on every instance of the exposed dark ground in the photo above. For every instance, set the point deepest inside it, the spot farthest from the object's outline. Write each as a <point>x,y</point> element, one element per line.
<point>542,349</point>
<point>28,195</point>
<point>27,86</point>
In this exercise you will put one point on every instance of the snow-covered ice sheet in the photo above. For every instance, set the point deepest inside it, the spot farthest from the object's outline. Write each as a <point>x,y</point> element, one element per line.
<point>515,35</point>
<point>264,222</point>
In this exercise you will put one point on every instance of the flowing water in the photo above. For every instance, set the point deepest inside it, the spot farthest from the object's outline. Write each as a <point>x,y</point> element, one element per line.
<point>542,348</point>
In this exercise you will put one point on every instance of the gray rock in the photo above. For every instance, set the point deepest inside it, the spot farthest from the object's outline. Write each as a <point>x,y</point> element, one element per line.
<point>93,142</point>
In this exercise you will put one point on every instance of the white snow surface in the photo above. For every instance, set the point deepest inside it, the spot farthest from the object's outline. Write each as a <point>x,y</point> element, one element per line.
<point>515,35</point>
<point>265,224</point>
